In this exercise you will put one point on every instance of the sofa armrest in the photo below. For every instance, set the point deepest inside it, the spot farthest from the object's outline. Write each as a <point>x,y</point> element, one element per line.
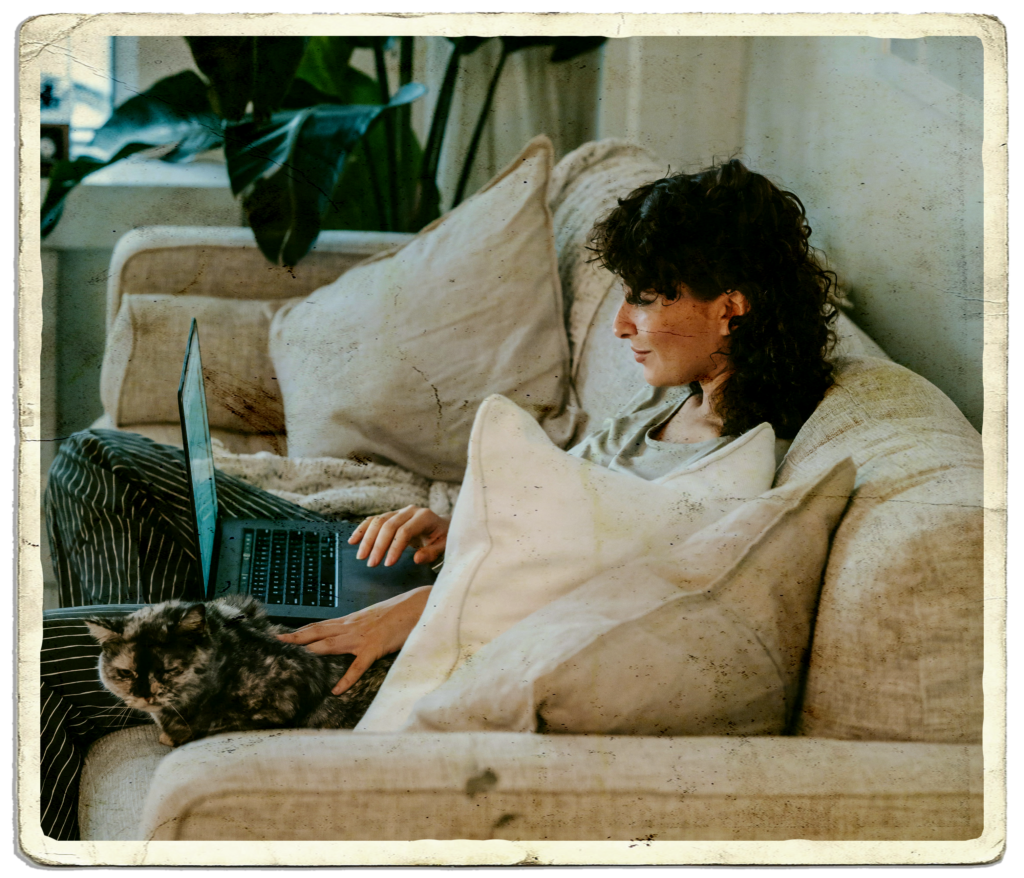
<point>311,785</point>
<point>225,262</point>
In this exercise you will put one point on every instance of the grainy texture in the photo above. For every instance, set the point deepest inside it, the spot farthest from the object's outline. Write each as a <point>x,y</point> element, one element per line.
<point>204,668</point>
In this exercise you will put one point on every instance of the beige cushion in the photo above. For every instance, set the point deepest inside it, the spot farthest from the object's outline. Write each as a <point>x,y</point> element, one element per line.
<point>391,361</point>
<point>704,638</point>
<point>533,522</point>
<point>898,643</point>
<point>585,185</point>
<point>115,779</point>
<point>146,347</point>
<point>319,786</point>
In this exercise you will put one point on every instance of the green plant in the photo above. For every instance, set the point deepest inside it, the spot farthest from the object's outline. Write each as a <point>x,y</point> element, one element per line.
<point>310,142</point>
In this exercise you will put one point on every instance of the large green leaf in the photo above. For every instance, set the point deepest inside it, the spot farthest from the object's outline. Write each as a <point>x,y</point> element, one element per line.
<point>325,65</point>
<point>253,149</point>
<point>359,89</point>
<point>248,69</point>
<point>174,112</point>
<point>227,63</point>
<point>288,170</point>
<point>358,201</point>
<point>276,59</point>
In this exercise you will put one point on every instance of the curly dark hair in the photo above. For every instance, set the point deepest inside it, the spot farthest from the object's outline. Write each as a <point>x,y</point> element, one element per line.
<point>723,229</point>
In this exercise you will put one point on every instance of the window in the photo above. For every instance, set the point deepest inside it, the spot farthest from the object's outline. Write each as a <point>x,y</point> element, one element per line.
<point>76,85</point>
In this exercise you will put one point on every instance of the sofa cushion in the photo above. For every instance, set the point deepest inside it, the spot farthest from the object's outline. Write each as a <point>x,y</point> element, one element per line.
<point>115,780</point>
<point>703,638</point>
<point>533,522</point>
<point>898,642</point>
<point>146,347</point>
<point>391,361</point>
<point>585,185</point>
<point>321,786</point>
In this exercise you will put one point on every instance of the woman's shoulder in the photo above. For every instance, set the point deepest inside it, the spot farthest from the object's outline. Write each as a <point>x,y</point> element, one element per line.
<point>646,408</point>
<point>649,400</point>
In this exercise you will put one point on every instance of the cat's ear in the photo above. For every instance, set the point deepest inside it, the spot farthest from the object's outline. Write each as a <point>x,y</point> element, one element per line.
<point>194,620</point>
<point>105,630</point>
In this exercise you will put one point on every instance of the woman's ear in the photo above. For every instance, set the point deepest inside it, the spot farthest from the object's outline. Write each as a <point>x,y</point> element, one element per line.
<point>735,304</point>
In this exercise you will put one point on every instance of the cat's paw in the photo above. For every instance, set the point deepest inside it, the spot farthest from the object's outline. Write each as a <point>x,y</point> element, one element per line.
<point>165,739</point>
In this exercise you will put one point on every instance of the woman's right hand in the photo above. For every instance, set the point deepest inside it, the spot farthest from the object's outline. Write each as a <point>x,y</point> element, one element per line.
<point>367,634</point>
<point>385,536</point>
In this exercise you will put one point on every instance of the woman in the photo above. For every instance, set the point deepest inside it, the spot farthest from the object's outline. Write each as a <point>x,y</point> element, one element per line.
<point>724,296</point>
<point>726,309</point>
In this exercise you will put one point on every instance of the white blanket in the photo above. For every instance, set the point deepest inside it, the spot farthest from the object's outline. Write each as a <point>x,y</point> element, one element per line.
<point>337,488</point>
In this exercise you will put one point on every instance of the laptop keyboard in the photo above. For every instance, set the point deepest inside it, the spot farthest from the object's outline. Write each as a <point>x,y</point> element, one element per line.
<point>289,567</point>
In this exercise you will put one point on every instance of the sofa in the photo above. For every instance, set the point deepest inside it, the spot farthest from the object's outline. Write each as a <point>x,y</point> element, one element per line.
<point>884,744</point>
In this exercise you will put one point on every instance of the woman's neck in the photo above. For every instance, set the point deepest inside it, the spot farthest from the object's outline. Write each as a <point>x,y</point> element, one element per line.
<point>708,395</point>
<point>696,420</point>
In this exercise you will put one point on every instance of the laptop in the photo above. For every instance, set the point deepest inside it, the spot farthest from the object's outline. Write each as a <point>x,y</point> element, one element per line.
<point>298,569</point>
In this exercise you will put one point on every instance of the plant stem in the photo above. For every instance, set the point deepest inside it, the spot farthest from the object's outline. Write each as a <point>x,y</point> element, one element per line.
<point>478,132</point>
<point>432,151</point>
<point>405,70</point>
<point>389,136</point>
<point>378,197</point>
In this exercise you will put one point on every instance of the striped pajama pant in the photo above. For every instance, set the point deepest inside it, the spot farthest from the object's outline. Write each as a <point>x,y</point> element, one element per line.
<point>119,523</point>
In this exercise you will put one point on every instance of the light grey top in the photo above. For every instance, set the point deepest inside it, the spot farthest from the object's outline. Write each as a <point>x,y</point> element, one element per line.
<point>624,443</point>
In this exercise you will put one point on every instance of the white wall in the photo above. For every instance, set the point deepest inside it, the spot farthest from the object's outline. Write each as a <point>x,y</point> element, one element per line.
<point>887,157</point>
<point>683,98</point>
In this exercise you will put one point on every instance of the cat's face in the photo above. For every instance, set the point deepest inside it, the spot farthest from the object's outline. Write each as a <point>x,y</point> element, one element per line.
<point>151,657</point>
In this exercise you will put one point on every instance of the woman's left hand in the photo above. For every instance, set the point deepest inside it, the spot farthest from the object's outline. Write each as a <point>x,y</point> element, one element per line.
<point>384,537</point>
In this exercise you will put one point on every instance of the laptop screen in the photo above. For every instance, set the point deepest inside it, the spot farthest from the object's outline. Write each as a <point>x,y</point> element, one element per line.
<point>196,429</point>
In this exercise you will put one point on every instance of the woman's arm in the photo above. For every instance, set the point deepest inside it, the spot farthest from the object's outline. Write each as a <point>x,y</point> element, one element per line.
<point>380,629</point>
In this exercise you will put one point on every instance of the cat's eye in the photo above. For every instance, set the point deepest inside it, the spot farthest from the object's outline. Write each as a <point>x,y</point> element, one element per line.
<point>123,674</point>
<point>171,672</point>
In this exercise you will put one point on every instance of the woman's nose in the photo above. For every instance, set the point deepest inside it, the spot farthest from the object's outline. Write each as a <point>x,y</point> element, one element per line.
<point>623,325</point>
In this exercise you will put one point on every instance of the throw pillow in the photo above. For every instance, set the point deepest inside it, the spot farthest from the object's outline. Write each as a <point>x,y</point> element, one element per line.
<point>533,522</point>
<point>391,361</point>
<point>146,346</point>
<point>707,638</point>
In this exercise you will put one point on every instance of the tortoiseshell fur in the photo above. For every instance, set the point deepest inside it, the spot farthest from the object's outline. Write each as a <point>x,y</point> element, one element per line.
<point>204,668</point>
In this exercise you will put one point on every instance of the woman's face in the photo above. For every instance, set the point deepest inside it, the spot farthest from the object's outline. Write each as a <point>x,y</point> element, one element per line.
<point>681,341</point>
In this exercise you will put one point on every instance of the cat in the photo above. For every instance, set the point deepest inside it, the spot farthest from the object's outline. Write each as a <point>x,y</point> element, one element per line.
<point>204,668</point>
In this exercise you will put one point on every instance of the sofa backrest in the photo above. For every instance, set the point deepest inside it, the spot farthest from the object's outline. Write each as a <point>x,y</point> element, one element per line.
<point>898,643</point>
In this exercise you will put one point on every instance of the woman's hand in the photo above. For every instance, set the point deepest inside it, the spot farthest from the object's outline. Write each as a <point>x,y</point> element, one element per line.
<point>368,634</point>
<point>385,536</point>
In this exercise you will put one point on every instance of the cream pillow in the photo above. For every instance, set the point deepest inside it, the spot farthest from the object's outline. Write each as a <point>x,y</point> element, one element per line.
<point>533,522</point>
<point>146,346</point>
<point>391,361</point>
<point>706,638</point>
